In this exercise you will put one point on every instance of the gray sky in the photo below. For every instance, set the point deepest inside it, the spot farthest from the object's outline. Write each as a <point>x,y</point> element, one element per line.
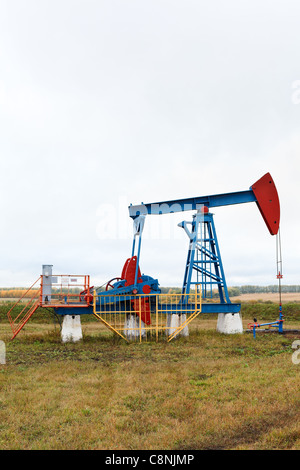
<point>106,103</point>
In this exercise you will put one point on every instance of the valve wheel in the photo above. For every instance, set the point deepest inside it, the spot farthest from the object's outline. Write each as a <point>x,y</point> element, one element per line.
<point>110,285</point>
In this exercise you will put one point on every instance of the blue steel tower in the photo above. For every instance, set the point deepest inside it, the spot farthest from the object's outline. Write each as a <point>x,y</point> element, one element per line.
<point>204,264</point>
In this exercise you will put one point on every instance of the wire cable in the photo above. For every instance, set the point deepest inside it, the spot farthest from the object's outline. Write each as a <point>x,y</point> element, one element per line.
<point>279,263</point>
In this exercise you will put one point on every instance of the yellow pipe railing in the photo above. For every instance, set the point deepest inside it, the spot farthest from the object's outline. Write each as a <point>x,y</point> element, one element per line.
<point>124,315</point>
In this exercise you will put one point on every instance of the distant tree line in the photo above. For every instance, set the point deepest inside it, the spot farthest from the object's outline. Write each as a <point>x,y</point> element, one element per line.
<point>235,291</point>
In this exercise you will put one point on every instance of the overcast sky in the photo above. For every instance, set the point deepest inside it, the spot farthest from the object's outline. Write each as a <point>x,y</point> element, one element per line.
<point>104,103</point>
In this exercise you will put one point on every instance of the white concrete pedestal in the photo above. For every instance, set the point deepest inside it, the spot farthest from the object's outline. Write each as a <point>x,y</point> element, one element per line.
<point>71,329</point>
<point>229,323</point>
<point>134,327</point>
<point>174,321</point>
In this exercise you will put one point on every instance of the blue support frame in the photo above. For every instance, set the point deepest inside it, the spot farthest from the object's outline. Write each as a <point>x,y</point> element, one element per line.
<point>204,263</point>
<point>138,225</point>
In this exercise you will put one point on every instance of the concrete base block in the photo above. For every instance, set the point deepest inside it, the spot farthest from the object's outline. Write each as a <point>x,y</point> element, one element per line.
<point>229,323</point>
<point>174,323</point>
<point>185,330</point>
<point>132,327</point>
<point>71,329</point>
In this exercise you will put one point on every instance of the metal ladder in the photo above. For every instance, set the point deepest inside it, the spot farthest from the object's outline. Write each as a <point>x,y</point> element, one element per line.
<point>26,312</point>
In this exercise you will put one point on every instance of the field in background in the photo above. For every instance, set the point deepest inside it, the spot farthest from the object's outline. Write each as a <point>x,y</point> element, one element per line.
<point>255,297</point>
<point>237,294</point>
<point>268,297</point>
<point>210,391</point>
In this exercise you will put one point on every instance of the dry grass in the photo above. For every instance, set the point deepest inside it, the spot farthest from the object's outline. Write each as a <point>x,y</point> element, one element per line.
<point>210,391</point>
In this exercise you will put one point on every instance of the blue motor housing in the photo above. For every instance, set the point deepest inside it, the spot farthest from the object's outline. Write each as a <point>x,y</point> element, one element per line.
<point>145,285</point>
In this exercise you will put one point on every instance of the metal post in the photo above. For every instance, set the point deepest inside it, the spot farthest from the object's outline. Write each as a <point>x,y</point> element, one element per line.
<point>46,283</point>
<point>138,259</point>
<point>138,226</point>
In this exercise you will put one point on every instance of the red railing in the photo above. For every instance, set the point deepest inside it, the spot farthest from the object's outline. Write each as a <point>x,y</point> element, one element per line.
<point>60,291</point>
<point>26,312</point>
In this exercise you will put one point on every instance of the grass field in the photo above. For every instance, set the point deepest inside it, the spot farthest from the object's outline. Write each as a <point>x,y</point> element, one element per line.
<point>210,391</point>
